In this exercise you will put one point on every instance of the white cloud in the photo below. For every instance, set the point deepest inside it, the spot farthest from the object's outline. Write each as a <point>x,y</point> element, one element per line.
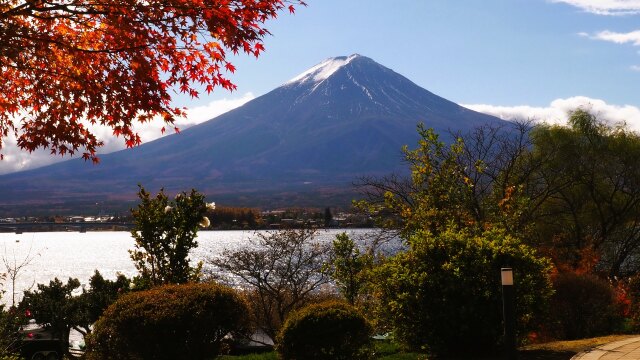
<point>632,37</point>
<point>618,38</point>
<point>195,115</point>
<point>17,160</point>
<point>558,110</point>
<point>605,7</point>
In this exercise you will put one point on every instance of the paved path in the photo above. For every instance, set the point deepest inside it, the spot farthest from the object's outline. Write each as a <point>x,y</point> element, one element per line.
<point>628,349</point>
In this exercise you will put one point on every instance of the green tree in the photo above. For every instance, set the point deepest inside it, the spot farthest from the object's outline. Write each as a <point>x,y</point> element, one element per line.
<point>55,307</point>
<point>444,294</point>
<point>348,267</point>
<point>477,181</point>
<point>462,215</point>
<point>572,191</point>
<point>94,300</point>
<point>164,233</point>
<point>591,213</point>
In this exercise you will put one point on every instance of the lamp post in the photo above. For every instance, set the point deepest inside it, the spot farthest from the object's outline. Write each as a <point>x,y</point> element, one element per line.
<point>509,313</point>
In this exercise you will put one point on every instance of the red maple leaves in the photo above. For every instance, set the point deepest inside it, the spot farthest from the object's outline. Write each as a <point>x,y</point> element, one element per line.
<point>67,64</point>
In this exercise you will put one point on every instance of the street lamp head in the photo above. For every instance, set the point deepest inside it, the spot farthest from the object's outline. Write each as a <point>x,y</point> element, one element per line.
<point>506,276</point>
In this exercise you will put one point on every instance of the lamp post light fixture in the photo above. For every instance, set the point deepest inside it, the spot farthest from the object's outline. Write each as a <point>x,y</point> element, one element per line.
<point>509,313</point>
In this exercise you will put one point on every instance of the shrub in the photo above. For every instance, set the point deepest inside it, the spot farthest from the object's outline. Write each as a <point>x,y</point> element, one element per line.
<point>169,322</point>
<point>10,321</point>
<point>583,306</point>
<point>444,295</point>
<point>633,297</point>
<point>329,330</point>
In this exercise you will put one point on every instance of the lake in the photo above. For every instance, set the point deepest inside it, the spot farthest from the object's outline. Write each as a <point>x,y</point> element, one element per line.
<point>77,255</point>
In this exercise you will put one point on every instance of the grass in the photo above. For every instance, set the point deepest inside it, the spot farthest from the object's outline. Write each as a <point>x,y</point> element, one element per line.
<point>557,350</point>
<point>265,356</point>
<point>386,350</point>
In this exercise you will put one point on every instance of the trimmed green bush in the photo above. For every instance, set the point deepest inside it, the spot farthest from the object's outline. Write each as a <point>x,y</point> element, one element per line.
<point>444,295</point>
<point>329,330</point>
<point>583,306</point>
<point>169,322</point>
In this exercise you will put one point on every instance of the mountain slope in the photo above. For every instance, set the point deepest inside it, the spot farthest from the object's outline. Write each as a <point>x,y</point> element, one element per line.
<point>343,118</point>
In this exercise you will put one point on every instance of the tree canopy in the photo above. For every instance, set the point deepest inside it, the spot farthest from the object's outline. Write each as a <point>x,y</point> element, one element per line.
<point>164,233</point>
<point>67,64</point>
<point>592,211</point>
<point>55,306</point>
<point>461,215</point>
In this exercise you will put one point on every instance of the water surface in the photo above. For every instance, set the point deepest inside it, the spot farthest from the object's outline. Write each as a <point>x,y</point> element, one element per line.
<point>78,255</point>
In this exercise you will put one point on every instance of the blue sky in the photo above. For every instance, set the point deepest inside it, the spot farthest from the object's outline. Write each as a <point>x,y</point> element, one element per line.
<point>501,52</point>
<point>511,58</point>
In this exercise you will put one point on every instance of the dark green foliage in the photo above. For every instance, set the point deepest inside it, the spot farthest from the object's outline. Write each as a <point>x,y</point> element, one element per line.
<point>444,295</point>
<point>590,176</point>
<point>463,215</point>
<point>331,330</point>
<point>54,306</point>
<point>165,232</point>
<point>348,267</point>
<point>583,306</point>
<point>435,195</point>
<point>101,294</point>
<point>9,321</point>
<point>169,322</point>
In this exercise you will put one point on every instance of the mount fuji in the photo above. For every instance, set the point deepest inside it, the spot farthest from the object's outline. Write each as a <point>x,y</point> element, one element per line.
<point>303,143</point>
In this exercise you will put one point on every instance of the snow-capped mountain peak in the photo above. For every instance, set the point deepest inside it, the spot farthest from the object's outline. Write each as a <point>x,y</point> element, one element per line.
<point>322,71</point>
<point>290,144</point>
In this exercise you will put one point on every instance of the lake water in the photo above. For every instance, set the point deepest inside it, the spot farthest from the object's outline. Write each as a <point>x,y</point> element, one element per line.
<point>77,255</point>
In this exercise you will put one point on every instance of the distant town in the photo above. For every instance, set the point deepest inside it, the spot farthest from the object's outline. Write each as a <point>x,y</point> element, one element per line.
<point>223,218</point>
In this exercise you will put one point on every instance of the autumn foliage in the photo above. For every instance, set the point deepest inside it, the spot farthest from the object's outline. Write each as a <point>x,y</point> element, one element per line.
<point>67,64</point>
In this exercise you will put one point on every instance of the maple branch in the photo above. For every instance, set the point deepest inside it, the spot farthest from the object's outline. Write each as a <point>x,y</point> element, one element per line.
<point>102,61</point>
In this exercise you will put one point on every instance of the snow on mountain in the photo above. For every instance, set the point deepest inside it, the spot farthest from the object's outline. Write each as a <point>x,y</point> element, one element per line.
<point>322,71</point>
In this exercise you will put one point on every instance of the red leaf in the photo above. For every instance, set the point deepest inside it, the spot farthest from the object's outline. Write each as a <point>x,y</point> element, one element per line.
<point>119,65</point>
